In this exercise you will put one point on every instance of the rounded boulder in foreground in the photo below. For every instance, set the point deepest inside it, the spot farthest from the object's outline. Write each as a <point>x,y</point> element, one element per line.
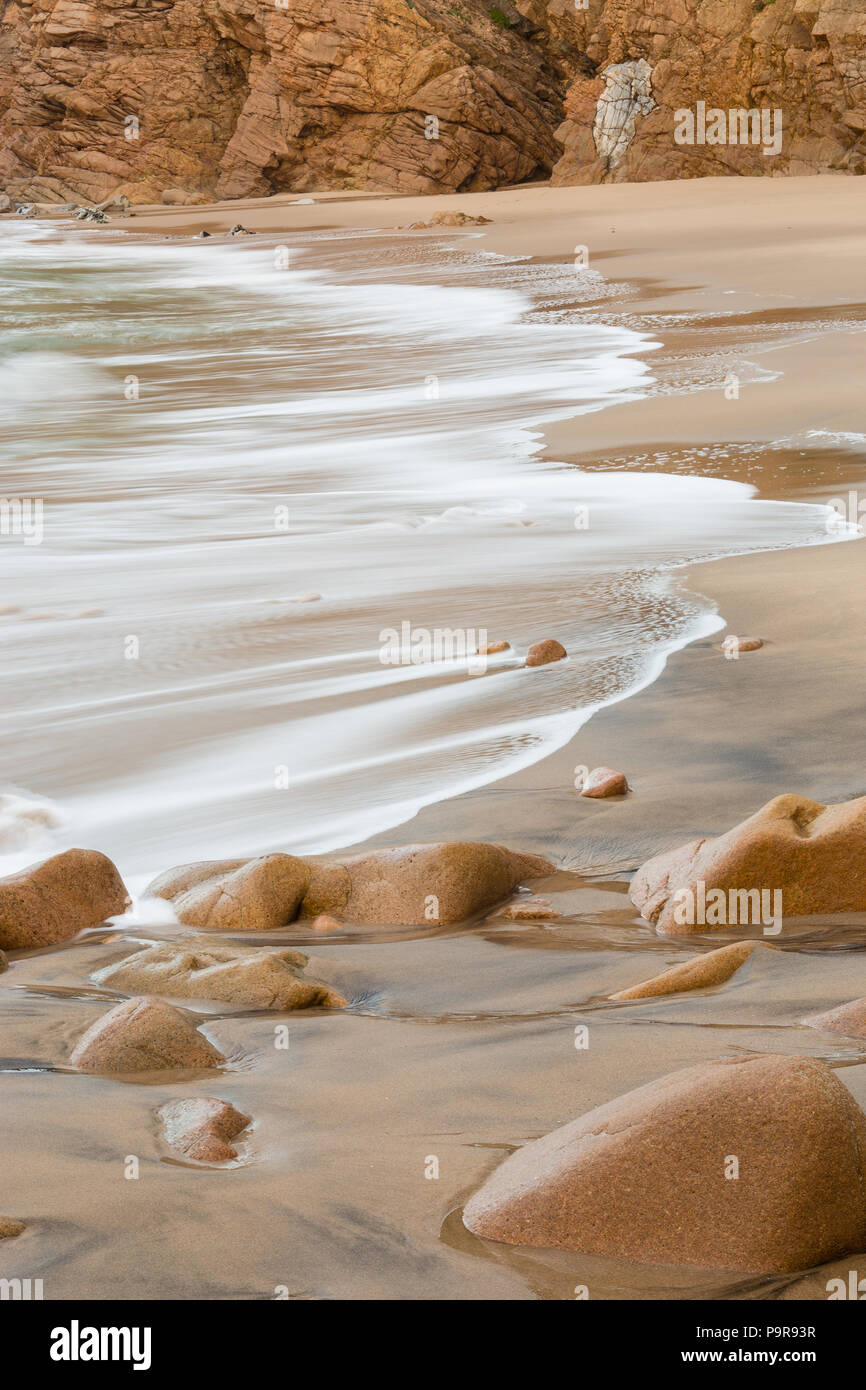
<point>649,1176</point>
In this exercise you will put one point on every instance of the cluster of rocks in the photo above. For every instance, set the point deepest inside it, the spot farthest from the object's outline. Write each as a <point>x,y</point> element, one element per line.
<point>605,1183</point>
<point>118,206</point>
<point>447,219</point>
<point>413,885</point>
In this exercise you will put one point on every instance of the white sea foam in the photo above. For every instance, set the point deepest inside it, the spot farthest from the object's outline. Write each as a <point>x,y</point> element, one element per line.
<point>330,428</point>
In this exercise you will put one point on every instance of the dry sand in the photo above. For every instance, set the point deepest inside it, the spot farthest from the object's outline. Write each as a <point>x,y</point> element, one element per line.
<point>375,1123</point>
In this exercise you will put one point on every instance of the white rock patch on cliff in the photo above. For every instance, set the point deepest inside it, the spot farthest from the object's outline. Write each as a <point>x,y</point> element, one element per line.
<point>627,95</point>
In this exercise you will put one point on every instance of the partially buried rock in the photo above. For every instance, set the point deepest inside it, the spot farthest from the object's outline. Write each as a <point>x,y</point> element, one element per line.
<point>447,219</point>
<point>412,885</point>
<point>258,977</point>
<point>843,1279</point>
<point>9,1227</point>
<point>732,646</point>
<point>326,922</point>
<point>492,648</point>
<point>143,1035</point>
<point>530,910</point>
<point>648,1176</point>
<point>58,898</point>
<point>202,1128</point>
<point>711,969</point>
<point>604,781</point>
<point>543,653</point>
<point>849,1019</point>
<point>813,856</point>
<point>422,885</point>
<point>459,219</point>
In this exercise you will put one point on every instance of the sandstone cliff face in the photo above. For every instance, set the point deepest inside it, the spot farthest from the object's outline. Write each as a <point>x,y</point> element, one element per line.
<point>805,59</point>
<point>244,97</point>
<point>233,98</point>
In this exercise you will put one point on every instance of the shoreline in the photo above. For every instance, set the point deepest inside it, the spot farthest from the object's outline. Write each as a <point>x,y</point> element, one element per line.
<point>814,340</point>
<point>460,1043</point>
<point>705,305</point>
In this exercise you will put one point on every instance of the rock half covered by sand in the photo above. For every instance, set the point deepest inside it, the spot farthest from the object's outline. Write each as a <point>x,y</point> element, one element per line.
<point>58,898</point>
<point>10,1227</point>
<point>813,855</point>
<point>711,969</point>
<point>202,1128</point>
<point>258,977</point>
<point>849,1019</point>
<point>604,781</point>
<point>412,885</point>
<point>650,1175</point>
<point>143,1035</point>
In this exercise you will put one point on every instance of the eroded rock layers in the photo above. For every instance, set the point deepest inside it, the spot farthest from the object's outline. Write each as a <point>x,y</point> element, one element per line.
<point>236,98</point>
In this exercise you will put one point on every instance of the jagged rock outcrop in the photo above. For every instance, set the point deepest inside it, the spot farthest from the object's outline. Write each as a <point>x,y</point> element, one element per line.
<point>249,97</point>
<point>244,97</point>
<point>803,58</point>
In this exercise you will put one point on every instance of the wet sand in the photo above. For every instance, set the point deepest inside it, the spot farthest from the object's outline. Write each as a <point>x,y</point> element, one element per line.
<point>459,1045</point>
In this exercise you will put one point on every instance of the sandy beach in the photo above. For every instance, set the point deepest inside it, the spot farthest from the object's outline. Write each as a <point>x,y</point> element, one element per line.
<point>376,1122</point>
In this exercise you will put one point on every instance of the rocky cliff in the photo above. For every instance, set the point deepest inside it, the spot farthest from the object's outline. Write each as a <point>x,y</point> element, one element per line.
<point>232,98</point>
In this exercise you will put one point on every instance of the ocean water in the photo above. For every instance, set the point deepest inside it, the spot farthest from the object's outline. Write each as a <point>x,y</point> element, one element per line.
<point>201,436</point>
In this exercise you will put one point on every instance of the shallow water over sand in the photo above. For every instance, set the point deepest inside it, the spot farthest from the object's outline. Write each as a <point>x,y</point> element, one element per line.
<point>456,1047</point>
<point>216,432</point>
<point>457,1044</point>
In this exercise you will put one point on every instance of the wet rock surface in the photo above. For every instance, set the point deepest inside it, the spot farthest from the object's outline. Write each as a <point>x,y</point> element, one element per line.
<point>259,977</point>
<point>813,855</point>
<point>649,1175</point>
<point>143,1035</point>
<point>58,898</point>
<point>411,885</point>
<point>202,1128</point>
